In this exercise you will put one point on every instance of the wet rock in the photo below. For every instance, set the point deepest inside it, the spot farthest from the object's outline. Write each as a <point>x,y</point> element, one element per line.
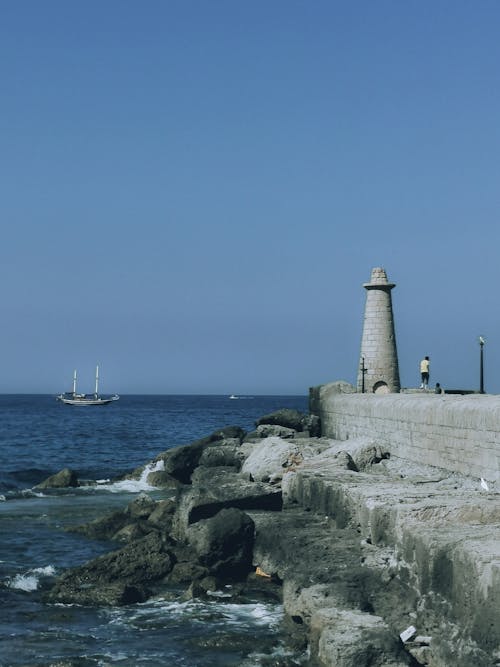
<point>141,516</point>
<point>186,572</point>
<point>63,479</point>
<point>201,588</point>
<point>120,577</point>
<point>224,543</point>
<point>132,531</point>
<point>141,507</point>
<point>104,528</point>
<point>162,480</point>
<point>162,514</point>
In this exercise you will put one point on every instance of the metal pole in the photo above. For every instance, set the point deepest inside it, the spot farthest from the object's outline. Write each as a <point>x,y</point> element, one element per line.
<point>481,366</point>
<point>363,371</point>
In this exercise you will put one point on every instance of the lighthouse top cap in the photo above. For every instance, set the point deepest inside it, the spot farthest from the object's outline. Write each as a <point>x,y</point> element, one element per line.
<point>379,279</point>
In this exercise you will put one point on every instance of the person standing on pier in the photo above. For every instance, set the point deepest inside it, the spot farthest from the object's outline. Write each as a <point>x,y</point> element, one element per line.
<point>424,372</point>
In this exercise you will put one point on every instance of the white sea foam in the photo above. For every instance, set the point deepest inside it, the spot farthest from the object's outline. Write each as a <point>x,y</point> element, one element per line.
<point>2,498</point>
<point>28,581</point>
<point>136,485</point>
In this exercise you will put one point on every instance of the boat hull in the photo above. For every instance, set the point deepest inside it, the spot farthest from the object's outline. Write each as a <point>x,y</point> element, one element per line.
<point>87,401</point>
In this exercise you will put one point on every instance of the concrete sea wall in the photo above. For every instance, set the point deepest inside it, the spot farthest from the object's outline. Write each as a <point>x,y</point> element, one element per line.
<point>458,433</point>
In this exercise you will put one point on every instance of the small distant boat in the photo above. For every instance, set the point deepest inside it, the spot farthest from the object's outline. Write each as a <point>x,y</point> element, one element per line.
<point>233,396</point>
<point>74,398</point>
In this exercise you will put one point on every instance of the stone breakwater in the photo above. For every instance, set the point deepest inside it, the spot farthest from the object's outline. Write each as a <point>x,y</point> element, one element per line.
<point>359,544</point>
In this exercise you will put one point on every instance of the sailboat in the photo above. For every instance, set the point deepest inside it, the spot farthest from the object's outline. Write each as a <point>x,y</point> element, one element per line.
<point>74,398</point>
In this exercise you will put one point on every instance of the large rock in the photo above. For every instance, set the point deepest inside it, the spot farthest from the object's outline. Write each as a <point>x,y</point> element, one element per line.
<point>292,419</point>
<point>214,489</point>
<point>119,577</point>
<point>104,528</point>
<point>141,516</point>
<point>227,453</point>
<point>270,458</point>
<point>224,543</point>
<point>285,417</point>
<point>63,479</point>
<point>342,638</point>
<point>180,462</point>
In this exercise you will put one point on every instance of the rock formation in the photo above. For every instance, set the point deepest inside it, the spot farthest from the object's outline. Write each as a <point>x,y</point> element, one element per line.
<point>358,544</point>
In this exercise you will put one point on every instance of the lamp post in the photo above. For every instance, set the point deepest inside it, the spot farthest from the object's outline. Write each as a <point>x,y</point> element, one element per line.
<point>481,365</point>
<point>363,372</point>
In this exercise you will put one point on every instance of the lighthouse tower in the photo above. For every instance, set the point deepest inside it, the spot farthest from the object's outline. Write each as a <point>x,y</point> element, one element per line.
<point>378,364</point>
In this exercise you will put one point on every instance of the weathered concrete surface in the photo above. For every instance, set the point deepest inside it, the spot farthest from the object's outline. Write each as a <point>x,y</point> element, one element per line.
<point>458,433</point>
<point>434,538</point>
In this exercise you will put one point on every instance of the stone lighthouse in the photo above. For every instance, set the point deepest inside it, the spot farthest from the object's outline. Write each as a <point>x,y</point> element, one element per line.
<point>378,363</point>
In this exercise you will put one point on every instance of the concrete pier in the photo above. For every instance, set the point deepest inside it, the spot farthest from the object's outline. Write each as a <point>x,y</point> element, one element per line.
<point>458,433</point>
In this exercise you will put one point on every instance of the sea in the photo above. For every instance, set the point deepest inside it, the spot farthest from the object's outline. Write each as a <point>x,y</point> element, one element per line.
<point>40,436</point>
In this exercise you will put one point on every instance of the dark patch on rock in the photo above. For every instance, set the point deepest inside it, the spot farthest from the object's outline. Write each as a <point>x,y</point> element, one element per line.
<point>224,543</point>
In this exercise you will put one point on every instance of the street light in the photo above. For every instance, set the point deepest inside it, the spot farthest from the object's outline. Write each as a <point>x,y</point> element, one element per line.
<point>481,366</point>
<point>363,373</point>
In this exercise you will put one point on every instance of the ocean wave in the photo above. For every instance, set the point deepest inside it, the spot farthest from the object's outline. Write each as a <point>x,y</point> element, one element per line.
<point>133,485</point>
<point>246,615</point>
<point>30,580</point>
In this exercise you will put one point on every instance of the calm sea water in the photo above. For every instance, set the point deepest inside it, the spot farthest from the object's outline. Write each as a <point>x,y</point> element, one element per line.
<point>38,437</point>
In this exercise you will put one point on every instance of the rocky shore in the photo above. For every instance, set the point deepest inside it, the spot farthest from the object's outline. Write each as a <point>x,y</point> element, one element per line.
<point>378,562</point>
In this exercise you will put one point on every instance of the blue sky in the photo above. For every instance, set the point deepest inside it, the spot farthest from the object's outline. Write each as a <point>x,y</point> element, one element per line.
<point>194,192</point>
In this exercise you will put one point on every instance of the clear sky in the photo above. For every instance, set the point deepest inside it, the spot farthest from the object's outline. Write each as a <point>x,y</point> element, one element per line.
<point>193,192</point>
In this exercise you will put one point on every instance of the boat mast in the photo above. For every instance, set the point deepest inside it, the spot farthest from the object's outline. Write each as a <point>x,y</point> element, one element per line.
<point>74,383</point>
<point>96,380</point>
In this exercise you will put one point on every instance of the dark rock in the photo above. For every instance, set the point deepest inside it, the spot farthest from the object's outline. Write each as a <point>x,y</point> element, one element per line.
<point>63,479</point>
<point>214,489</point>
<point>224,543</point>
<point>141,516</point>
<point>180,461</point>
<point>104,528</point>
<point>268,430</point>
<point>119,577</point>
<point>312,424</point>
<point>345,460</point>
<point>222,455</point>
<point>161,516</point>
<point>292,419</point>
<point>284,417</point>
<point>162,480</point>
<point>141,507</point>
<point>229,432</point>
<point>132,531</point>
<point>187,571</point>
